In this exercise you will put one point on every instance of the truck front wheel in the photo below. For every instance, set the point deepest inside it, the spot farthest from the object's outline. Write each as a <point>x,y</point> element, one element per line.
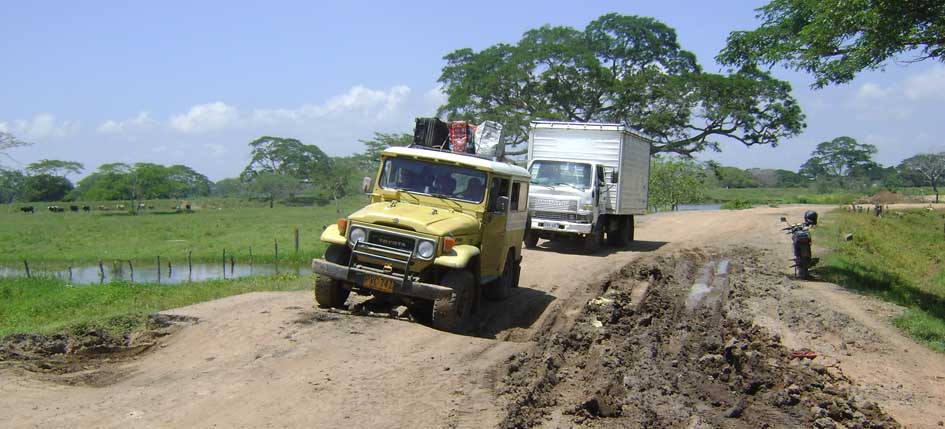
<point>329,293</point>
<point>531,239</point>
<point>594,240</point>
<point>450,313</point>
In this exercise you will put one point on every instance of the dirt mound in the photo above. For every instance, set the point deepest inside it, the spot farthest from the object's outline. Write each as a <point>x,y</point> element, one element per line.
<point>887,197</point>
<point>664,346</point>
<point>80,355</point>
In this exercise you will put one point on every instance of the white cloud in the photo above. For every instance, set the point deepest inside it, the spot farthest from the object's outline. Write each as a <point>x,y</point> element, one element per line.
<point>436,96</point>
<point>141,121</point>
<point>871,91</point>
<point>41,126</point>
<point>377,104</point>
<point>206,117</point>
<point>929,85</point>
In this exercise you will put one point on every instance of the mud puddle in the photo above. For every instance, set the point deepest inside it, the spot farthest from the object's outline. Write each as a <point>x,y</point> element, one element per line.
<point>87,357</point>
<point>665,344</point>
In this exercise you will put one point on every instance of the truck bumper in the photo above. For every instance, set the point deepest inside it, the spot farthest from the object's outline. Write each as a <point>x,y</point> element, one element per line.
<point>558,226</point>
<point>356,276</point>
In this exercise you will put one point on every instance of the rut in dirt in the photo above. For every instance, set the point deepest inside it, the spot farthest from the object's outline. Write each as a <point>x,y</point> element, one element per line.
<point>666,344</point>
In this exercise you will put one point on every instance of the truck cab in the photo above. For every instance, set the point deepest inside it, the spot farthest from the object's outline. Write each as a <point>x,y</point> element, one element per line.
<point>442,230</point>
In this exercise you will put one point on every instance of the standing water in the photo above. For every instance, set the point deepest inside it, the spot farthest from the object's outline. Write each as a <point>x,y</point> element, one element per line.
<point>90,274</point>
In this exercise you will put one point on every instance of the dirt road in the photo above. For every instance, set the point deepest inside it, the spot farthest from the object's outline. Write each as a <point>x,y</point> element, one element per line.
<point>272,359</point>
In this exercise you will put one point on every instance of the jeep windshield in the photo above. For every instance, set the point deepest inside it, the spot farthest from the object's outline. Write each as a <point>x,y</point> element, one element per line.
<point>561,173</point>
<point>430,178</point>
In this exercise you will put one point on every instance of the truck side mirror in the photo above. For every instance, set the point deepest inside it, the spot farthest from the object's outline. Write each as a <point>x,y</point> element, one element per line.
<point>502,204</point>
<point>366,184</point>
<point>613,176</point>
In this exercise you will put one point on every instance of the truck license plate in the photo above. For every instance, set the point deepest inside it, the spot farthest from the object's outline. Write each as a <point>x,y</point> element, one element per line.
<point>551,225</point>
<point>379,284</point>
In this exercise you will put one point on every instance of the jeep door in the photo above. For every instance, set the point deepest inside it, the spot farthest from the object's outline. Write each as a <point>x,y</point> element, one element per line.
<point>495,238</point>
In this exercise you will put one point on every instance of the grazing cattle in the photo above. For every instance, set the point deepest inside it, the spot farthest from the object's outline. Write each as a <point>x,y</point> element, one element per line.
<point>74,209</point>
<point>56,209</point>
<point>141,206</point>
<point>104,208</point>
<point>86,208</point>
<point>27,209</point>
<point>120,206</point>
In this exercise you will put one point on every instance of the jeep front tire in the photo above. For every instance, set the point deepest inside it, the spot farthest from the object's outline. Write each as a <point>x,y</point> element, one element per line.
<point>330,293</point>
<point>450,313</point>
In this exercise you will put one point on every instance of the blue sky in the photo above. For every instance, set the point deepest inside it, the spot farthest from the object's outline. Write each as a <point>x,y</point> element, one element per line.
<point>194,82</point>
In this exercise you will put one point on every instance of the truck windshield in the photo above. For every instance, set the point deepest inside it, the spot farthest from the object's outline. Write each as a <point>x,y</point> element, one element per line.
<point>554,173</point>
<point>430,178</point>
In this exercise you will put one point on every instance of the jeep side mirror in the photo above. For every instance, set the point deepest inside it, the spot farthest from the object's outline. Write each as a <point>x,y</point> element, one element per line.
<point>502,204</point>
<point>366,184</point>
<point>613,176</point>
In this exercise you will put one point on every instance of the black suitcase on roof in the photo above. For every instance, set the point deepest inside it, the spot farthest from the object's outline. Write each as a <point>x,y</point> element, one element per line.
<point>431,132</point>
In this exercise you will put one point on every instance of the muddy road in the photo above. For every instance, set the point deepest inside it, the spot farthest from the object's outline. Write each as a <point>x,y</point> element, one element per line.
<point>656,335</point>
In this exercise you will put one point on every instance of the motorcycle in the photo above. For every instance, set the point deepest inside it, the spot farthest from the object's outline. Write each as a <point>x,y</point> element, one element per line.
<point>801,239</point>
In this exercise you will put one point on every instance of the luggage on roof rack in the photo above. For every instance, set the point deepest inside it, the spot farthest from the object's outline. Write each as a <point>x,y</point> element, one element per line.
<point>431,132</point>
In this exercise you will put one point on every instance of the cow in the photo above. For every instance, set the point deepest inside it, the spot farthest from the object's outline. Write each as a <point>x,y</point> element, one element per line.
<point>56,209</point>
<point>27,209</point>
<point>120,207</point>
<point>86,209</point>
<point>104,208</point>
<point>74,209</point>
<point>142,206</point>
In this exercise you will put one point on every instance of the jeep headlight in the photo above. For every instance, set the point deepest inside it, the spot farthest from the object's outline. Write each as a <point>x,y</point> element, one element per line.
<point>425,249</point>
<point>356,235</point>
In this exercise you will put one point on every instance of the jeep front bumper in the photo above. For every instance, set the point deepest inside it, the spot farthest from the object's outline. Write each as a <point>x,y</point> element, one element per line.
<point>560,226</point>
<point>357,275</point>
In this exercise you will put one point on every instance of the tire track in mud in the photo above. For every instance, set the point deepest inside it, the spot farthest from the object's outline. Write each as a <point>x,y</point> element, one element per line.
<point>665,344</point>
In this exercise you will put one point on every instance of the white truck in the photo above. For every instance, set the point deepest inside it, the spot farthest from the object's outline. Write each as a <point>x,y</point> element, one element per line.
<point>588,182</point>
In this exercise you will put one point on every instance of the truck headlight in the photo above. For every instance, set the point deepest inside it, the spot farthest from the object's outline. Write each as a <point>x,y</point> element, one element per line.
<point>356,235</point>
<point>587,206</point>
<point>425,249</point>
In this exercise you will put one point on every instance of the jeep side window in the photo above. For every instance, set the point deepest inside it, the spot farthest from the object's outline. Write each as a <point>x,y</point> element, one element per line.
<point>516,186</point>
<point>499,188</point>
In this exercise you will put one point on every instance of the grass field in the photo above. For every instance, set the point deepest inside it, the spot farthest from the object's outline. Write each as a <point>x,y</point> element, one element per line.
<point>765,196</point>
<point>900,258</point>
<point>46,305</point>
<point>58,239</point>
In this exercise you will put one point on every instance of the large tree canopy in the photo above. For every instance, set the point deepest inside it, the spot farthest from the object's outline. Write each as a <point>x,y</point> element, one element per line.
<point>286,156</point>
<point>9,141</point>
<point>840,158</point>
<point>623,69</point>
<point>55,167</point>
<point>929,167</point>
<point>120,181</point>
<point>836,39</point>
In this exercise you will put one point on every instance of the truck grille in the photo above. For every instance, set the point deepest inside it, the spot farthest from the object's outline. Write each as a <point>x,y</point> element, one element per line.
<point>551,204</point>
<point>391,240</point>
<point>571,217</point>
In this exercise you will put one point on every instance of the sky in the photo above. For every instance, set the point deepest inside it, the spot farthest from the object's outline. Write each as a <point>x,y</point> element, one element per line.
<point>193,83</point>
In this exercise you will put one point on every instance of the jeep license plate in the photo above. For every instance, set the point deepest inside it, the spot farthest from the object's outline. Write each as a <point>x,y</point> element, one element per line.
<point>379,284</point>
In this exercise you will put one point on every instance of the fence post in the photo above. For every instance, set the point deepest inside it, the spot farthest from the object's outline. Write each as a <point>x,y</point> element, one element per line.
<point>275,243</point>
<point>232,264</point>
<point>101,272</point>
<point>169,268</point>
<point>251,260</point>
<point>296,240</point>
<point>159,269</point>
<point>27,265</point>
<point>224,263</point>
<point>190,265</point>
<point>70,273</point>
<point>130,265</point>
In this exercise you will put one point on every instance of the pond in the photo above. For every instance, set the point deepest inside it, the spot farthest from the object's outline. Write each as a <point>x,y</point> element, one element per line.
<point>90,274</point>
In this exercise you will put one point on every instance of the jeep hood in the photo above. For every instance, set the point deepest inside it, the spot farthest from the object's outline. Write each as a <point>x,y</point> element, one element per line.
<point>423,219</point>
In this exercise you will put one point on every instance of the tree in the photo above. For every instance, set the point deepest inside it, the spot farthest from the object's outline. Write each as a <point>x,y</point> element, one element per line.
<point>674,181</point>
<point>46,187</point>
<point>120,181</point>
<point>288,157</point>
<point>9,141</point>
<point>840,158</point>
<point>931,167</point>
<point>373,147</point>
<point>836,39</point>
<point>12,185</point>
<point>55,167</point>
<point>623,69</point>
<point>273,186</point>
<point>231,187</point>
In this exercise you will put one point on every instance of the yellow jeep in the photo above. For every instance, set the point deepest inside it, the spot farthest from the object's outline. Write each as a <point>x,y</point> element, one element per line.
<point>442,229</point>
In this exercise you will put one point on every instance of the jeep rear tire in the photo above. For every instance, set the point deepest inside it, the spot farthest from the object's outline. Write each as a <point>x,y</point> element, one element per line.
<point>501,288</point>
<point>450,313</point>
<point>329,292</point>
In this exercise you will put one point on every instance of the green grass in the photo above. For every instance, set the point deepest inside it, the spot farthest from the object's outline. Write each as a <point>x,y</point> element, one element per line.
<point>899,258</point>
<point>737,205</point>
<point>59,239</point>
<point>46,305</point>
<point>767,196</point>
